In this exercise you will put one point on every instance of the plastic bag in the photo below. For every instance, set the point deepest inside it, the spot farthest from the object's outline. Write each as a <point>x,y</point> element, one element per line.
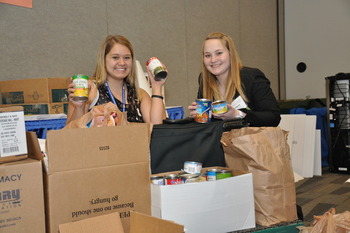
<point>329,222</point>
<point>100,116</point>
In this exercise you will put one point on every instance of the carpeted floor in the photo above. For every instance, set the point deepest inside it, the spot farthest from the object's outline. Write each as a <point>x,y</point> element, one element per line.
<point>318,194</point>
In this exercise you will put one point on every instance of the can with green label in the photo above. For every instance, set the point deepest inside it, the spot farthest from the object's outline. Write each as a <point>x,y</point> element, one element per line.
<point>222,174</point>
<point>81,92</point>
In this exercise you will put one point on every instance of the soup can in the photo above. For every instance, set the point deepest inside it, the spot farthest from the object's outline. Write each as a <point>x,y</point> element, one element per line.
<point>157,69</point>
<point>190,178</point>
<point>157,180</point>
<point>211,174</point>
<point>172,179</point>
<point>192,167</point>
<point>203,111</point>
<point>219,106</point>
<point>81,91</point>
<point>223,174</point>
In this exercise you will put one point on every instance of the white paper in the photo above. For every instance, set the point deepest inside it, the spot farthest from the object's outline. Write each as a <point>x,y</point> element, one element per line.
<point>239,103</point>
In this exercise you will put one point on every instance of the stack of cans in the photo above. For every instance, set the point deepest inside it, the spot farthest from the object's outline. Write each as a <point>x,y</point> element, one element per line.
<point>192,172</point>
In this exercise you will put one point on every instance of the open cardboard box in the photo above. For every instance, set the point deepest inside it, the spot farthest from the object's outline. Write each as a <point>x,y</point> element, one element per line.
<point>206,207</point>
<point>110,223</point>
<point>95,171</point>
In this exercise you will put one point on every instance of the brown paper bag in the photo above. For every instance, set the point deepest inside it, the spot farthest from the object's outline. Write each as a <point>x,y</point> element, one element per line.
<point>99,116</point>
<point>264,152</point>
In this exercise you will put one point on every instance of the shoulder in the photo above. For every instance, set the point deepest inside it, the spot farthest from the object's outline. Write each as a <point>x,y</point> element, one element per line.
<point>250,75</point>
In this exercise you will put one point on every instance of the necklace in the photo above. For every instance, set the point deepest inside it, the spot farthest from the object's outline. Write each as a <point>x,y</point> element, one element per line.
<point>112,97</point>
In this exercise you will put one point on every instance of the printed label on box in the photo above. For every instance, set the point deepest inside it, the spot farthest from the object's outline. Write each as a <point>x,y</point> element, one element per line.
<point>12,97</point>
<point>12,134</point>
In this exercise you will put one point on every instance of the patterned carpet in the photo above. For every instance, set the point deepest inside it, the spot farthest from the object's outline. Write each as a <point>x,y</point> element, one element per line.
<point>318,194</point>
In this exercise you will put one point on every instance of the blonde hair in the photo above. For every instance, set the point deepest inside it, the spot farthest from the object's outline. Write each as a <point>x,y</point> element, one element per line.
<point>233,82</point>
<point>105,48</point>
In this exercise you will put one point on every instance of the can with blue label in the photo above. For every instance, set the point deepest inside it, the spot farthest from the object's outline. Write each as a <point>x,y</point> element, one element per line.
<point>219,106</point>
<point>203,111</point>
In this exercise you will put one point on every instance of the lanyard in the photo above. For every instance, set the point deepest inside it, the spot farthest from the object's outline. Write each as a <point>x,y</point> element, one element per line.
<point>112,97</point>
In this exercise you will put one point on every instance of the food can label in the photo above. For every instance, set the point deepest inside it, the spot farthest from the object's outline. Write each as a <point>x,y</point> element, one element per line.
<point>219,107</point>
<point>203,111</point>
<point>81,92</point>
<point>156,68</point>
<point>192,167</point>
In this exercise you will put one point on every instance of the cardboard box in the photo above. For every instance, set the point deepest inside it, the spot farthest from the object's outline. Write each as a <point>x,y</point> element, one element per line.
<point>13,144</point>
<point>43,108</point>
<point>213,206</point>
<point>22,197</point>
<point>37,90</point>
<point>110,223</point>
<point>95,171</point>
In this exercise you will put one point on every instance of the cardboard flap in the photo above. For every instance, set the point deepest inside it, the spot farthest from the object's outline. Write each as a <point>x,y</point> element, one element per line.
<point>108,223</point>
<point>71,149</point>
<point>141,223</point>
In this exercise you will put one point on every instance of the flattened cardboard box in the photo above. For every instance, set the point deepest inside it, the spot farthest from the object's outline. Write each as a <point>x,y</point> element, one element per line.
<point>37,90</point>
<point>97,171</point>
<point>13,144</point>
<point>22,197</point>
<point>207,207</point>
<point>110,223</point>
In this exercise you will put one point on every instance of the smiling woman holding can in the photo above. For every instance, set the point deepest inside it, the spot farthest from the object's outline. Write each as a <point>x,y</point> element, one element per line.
<point>246,90</point>
<point>115,81</point>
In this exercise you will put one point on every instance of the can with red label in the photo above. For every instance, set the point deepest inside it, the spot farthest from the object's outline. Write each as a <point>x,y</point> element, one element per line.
<point>172,179</point>
<point>156,68</point>
<point>203,111</point>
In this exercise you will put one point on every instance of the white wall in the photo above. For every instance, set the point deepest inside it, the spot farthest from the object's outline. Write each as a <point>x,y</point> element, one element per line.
<point>317,32</point>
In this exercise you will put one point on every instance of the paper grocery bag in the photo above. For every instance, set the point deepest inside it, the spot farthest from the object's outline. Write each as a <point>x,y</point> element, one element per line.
<point>264,152</point>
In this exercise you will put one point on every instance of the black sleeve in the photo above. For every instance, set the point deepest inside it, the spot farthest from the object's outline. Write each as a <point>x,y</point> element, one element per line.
<point>263,106</point>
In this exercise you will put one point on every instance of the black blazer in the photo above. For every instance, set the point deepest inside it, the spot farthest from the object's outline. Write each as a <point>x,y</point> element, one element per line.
<point>263,106</point>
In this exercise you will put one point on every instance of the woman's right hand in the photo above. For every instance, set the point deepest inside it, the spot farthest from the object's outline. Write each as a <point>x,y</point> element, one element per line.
<point>71,89</point>
<point>193,109</point>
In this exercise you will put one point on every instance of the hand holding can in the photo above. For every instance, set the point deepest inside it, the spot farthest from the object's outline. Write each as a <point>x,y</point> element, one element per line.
<point>156,68</point>
<point>81,89</point>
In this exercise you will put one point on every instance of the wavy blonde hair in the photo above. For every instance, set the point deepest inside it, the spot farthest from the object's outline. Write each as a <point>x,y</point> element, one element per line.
<point>233,82</point>
<point>105,48</point>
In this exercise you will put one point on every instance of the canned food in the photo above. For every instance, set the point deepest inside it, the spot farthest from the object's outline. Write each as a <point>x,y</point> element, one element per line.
<point>157,180</point>
<point>219,106</point>
<point>192,167</point>
<point>172,179</point>
<point>190,178</point>
<point>211,174</point>
<point>156,68</point>
<point>203,111</point>
<point>81,92</point>
<point>223,174</point>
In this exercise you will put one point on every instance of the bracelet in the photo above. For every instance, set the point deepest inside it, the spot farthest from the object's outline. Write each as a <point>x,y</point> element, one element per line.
<point>240,115</point>
<point>157,96</point>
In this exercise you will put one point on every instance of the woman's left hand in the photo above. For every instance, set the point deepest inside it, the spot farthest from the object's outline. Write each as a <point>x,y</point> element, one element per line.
<point>231,114</point>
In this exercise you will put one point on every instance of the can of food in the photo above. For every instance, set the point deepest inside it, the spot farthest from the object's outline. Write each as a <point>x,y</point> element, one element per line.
<point>219,106</point>
<point>189,178</point>
<point>223,174</point>
<point>211,174</point>
<point>192,167</point>
<point>156,68</point>
<point>203,111</point>
<point>157,180</point>
<point>172,179</point>
<point>81,92</point>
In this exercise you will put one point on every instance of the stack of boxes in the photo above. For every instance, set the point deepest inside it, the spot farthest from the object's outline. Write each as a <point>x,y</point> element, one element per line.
<point>36,96</point>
